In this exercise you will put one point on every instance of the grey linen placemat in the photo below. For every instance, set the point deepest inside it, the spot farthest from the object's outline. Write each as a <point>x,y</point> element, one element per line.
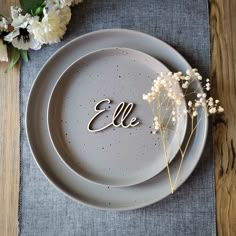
<point>43,210</point>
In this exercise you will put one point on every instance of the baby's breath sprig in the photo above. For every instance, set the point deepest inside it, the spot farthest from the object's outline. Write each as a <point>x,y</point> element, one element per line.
<point>164,93</point>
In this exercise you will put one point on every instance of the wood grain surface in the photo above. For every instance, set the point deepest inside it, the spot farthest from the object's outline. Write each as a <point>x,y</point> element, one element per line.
<point>223,74</point>
<point>9,143</point>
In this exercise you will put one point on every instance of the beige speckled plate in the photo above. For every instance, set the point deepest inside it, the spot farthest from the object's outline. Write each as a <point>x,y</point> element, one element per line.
<point>74,186</point>
<point>115,156</point>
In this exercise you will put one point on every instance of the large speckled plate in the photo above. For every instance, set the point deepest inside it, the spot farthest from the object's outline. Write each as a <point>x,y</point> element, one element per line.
<point>76,187</point>
<point>117,155</point>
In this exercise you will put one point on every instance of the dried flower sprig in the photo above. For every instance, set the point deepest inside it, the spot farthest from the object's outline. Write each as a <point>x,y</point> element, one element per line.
<point>36,23</point>
<point>169,103</point>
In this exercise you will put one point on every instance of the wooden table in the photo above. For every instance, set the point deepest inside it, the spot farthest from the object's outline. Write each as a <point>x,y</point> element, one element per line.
<point>223,75</point>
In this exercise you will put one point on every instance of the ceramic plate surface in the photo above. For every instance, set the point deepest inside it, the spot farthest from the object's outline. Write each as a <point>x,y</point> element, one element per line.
<point>114,156</point>
<point>86,192</point>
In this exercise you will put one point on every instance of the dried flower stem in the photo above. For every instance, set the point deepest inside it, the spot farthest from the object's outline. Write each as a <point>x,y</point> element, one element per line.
<point>162,130</point>
<point>165,84</point>
<point>185,149</point>
<point>166,160</point>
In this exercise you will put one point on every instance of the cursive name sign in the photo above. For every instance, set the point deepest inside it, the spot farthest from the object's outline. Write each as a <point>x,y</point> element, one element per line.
<point>121,113</point>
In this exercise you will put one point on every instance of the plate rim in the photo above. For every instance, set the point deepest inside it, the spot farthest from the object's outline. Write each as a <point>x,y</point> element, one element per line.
<point>52,181</point>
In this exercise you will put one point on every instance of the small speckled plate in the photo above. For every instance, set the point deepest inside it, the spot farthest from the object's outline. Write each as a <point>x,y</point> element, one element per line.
<point>115,156</point>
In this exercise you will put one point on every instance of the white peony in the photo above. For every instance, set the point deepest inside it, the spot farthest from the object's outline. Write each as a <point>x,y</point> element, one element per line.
<point>57,4</point>
<point>54,4</point>
<point>71,2</point>
<point>52,27</point>
<point>3,51</point>
<point>65,15</point>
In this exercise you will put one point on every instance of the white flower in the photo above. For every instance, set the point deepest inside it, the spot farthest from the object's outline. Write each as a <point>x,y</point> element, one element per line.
<point>162,90</point>
<point>19,20</point>
<point>210,103</point>
<point>3,51</point>
<point>188,72</point>
<point>20,37</point>
<point>52,27</point>
<point>208,86</point>
<point>157,125</point>
<point>3,24</point>
<point>149,97</point>
<point>57,4</point>
<point>185,85</point>
<point>190,103</point>
<point>212,110</point>
<point>145,97</point>
<point>25,42</point>
<point>71,2</point>
<point>54,4</point>
<point>220,109</point>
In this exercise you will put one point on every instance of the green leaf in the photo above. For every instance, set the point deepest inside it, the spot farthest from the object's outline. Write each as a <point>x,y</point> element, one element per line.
<point>38,11</point>
<point>30,5</point>
<point>15,56</point>
<point>24,55</point>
